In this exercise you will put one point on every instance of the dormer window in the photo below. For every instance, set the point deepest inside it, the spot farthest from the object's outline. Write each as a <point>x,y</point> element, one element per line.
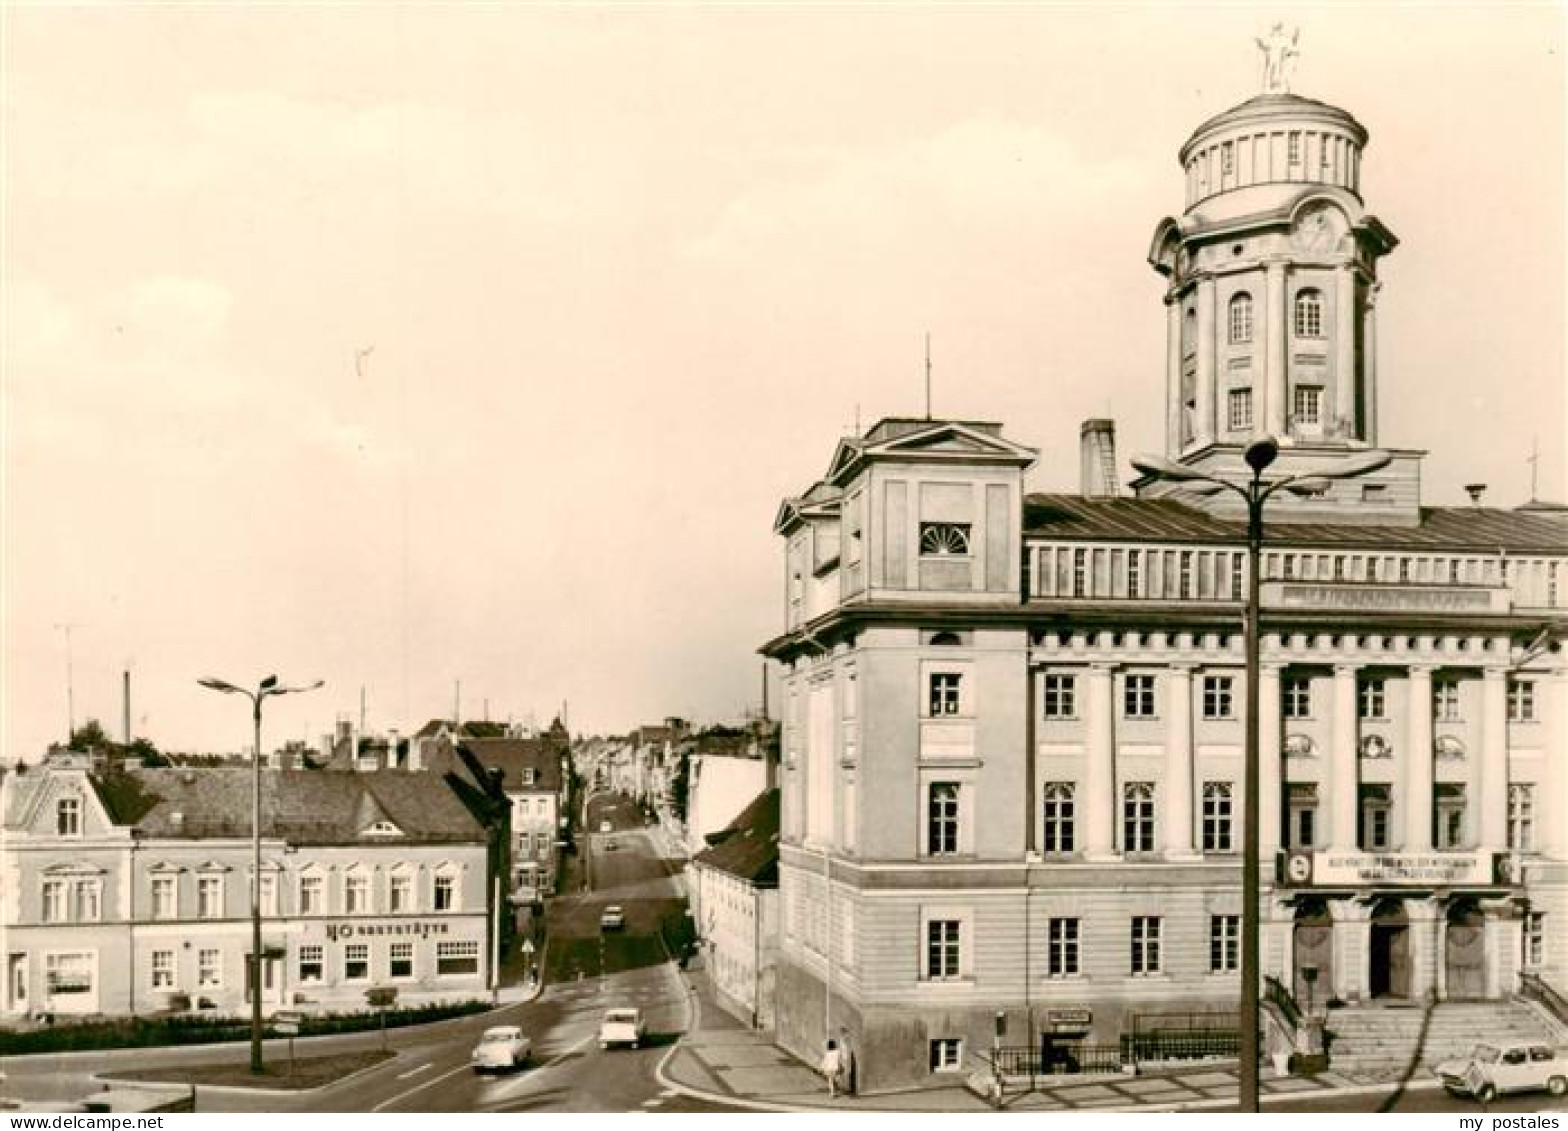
<point>381,828</point>
<point>68,816</point>
<point>528,775</point>
<point>944,539</point>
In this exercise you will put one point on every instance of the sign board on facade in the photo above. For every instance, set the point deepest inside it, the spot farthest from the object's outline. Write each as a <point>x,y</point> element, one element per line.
<point>1069,1018</point>
<point>1343,869</point>
<point>1385,598</point>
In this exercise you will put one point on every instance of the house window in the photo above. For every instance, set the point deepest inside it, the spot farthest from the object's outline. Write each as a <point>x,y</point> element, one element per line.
<point>356,962</point>
<point>209,967</point>
<point>1376,818</point>
<point>1228,157</point>
<point>1449,806</point>
<point>1138,697</point>
<point>944,539</point>
<point>461,957</point>
<point>1134,578</point>
<point>947,1054</point>
<point>1058,817</point>
<point>401,960</point>
<point>1224,943</point>
<point>1218,698</point>
<point>1080,570</point>
<point>445,893</point>
<point>88,900</point>
<point>942,819</point>
<point>1217,816</point>
<point>1309,314</point>
<point>1060,696</point>
<point>400,894</point>
<point>54,901</point>
<point>310,895</point>
<point>165,898</point>
<point>68,816</point>
<point>944,689</point>
<point>1445,700</point>
<point>528,775</point>
<point>356,895</point>
<point>1145,944</point>
<point>1061,955</point>
<point>942,940</point>
<point>1185,582</point>
<point>1239,409</point>
<point>163,969</point>
<point>1308,405</point>
<point>1303,815</point>
<point>70,973</point>
<point>311,962</point>
<point>1293,148</point>
<point>1296,692</point>
<point>209,897</point>
<point>1138,817</point>
<point>1372,701</point>
<point>1521,818</point>
<point>269,894</point>
<point>1236,577</point>
<point>1521,701</point>
<point>1241,319</point>
<point>1535,938</point>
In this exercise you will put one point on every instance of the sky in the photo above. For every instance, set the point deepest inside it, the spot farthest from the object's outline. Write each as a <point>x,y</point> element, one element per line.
<point>465,352</point>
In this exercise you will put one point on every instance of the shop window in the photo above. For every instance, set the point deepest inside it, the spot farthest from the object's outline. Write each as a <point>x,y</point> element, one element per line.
<point>456,958</point>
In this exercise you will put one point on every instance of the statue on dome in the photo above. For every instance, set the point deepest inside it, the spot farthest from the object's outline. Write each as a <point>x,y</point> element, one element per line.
<point>1279,55</point>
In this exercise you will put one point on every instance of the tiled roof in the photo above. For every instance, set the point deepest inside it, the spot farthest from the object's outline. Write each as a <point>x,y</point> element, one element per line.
<point>304,806</point>
<point>1467,529</point>
<point>749,847</point>
<point>513,755</point>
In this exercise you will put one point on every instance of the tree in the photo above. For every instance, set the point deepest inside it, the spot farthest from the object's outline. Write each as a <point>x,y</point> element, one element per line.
<point>680,786</point>
<point>89,735</point>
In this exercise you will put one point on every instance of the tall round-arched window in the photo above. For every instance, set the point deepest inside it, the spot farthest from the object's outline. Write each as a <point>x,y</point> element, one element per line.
<point>1309,314</point>
<point>1241,319</point>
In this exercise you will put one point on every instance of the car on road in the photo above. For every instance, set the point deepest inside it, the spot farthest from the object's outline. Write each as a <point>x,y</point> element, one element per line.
<point>612,918</point>
<point>1487,1071</point>
<point>504,1046</point>
<point>606,827</point>
<point>621,1027</point>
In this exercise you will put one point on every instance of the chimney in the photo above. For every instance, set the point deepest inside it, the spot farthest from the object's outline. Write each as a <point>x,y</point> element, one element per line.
<point>1475,491</point>
<point>1097,459</point>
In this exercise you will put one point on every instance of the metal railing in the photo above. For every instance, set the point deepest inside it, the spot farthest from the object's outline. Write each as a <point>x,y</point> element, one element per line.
<point>1543,993</point>
<point>1275,993</point>
<point>1066,1060</point>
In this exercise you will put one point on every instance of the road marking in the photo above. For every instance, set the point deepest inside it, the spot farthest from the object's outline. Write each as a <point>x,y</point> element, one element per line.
<point>413,1071</point>
<point>384,1104</point>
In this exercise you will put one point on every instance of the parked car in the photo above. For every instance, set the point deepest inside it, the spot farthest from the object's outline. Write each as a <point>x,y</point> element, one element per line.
<point>621,1027</point>
<point>612,918</point>
<point>1487,1071</point>
<point>501,1047</point>
<point>606,827</point>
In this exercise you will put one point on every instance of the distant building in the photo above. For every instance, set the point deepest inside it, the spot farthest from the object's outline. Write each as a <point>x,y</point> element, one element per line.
<point>531,776</point>
<point>725,772</point>
<point>735,902</point>
<point>129,891</point>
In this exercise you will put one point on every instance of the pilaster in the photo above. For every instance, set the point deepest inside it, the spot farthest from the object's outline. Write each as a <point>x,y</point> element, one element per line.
<point>1178,763</point>
<point>1345,352</point>
<point>1344,784</point>
<point>1203,432</point>
<point>1271,753</point>
<point>1275,345</point>
<point>1416,798</point>
<point>1489,770</point>
<point>1099,842</point>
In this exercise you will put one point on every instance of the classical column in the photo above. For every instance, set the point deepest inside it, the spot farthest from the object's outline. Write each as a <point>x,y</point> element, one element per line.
<point>1345,351</point>
<point>1551,824</point>
<point>1369,365</point>
<point>1099,787</point>
<point>1275,348</point>
<point>1426,930</point>
<point>1440,951</point>
<point>1173,405</point>
<point>1491,765</point>
<point>1271,755</point>
<point>1344,784</point>
<point>1203,432</point>
<point>1178,762</point>
<point>1352,939</point>
<point>1415,799</point>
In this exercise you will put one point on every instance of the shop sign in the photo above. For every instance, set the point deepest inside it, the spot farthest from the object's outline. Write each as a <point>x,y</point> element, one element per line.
<point>418,928</point>
<point>1377,598</point>
<point>1069,1018</point>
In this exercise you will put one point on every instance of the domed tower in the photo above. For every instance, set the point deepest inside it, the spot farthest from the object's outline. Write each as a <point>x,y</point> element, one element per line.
<point>1272,278</point>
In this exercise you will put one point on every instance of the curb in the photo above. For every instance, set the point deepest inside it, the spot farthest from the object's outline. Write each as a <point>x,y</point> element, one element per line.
<point>242,1090</point>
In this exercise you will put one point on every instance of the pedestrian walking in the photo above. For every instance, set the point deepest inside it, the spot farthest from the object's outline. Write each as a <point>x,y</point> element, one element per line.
<point>832,1066</point>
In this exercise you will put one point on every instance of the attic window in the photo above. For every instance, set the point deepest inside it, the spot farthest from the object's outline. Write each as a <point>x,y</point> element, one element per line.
<point>381,828</point>
<point>944,539</point>
<point>68,816</point>
<point>528,775</point>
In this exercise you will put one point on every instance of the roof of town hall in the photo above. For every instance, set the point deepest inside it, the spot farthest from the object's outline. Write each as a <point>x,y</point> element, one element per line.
<point>299,806</point>
<point>748,847</point>
<point>1473,529</point>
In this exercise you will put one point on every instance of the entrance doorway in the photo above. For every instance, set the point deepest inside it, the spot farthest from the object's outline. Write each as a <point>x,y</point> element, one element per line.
<point>1388,974</point>
<point>1313,940</point>
<point>1464,951</point>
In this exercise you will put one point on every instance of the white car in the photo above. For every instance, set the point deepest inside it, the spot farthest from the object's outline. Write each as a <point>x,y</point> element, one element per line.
<point>612,919</point>
<point>1487,1071</point>
<point>501,1047</point>
<point>606,827</point>
<point>621,1027</point>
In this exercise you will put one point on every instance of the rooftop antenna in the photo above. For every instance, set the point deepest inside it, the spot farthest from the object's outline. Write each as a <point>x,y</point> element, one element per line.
<point>362,708</point>
<point>70,683</point>
<point>928,374</point>
<point>457,706</point>
<point>1535,464</point>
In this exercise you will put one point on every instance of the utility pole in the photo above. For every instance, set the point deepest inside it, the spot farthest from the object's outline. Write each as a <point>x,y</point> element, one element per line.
<point>70,689</point>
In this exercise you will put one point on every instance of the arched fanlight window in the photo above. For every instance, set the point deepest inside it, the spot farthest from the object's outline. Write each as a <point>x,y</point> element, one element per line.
<point>1241,319</point>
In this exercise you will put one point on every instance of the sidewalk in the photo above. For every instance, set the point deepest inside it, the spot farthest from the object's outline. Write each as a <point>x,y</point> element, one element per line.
<point>722,1061</point>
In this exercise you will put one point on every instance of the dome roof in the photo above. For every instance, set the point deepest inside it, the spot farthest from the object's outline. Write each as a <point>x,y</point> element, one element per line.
<point>1272,111</point>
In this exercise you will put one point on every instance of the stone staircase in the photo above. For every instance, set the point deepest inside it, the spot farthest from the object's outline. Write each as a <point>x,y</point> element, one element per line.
<point>1387,1041</point>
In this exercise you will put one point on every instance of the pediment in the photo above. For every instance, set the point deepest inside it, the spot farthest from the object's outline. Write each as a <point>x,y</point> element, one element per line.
<point>947,438</point>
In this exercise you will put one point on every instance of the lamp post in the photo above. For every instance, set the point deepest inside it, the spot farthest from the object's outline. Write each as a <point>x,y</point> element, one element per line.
<point>1255,491</point>
<point>267,687</point>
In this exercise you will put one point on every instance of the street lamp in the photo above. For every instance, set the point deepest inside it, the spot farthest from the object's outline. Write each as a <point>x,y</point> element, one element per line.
<point>267,687</point>
<point>1255,492</point>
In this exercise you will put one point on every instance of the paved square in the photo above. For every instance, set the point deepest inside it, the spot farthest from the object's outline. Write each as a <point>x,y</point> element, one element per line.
<point>779,1080</point>
<point>744,1056</point>
<point>1210,1080</point>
